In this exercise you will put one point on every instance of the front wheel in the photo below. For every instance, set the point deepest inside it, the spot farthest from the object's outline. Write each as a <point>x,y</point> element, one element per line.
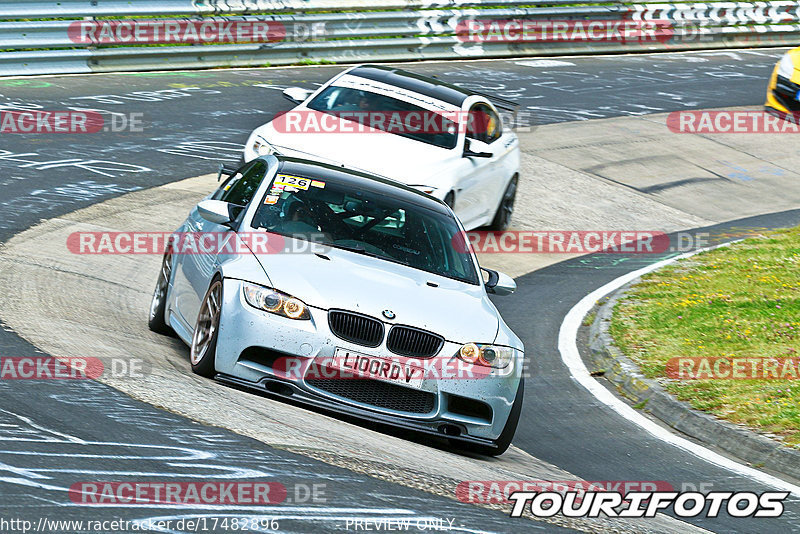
<point>503,442</point>
<point>204,341</point>
<point>502,217</point>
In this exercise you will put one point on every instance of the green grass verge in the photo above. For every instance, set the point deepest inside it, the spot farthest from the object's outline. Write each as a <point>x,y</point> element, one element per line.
<point>743,301</point>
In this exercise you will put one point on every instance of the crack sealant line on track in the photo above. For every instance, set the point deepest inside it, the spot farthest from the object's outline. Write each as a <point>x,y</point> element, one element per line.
<point>568,348</point>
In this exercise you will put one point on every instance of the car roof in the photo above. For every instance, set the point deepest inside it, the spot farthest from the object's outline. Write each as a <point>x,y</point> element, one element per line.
<point>424,85</point>
<point>359,181</point>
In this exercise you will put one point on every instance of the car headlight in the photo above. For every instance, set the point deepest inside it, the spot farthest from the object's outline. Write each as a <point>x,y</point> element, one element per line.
<point>273,301</point>
<point>786,67</point>
<point>263,148</point>
<point>487,355</point>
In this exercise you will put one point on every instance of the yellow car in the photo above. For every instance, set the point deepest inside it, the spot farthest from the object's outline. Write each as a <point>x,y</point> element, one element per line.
<point>783,92</point>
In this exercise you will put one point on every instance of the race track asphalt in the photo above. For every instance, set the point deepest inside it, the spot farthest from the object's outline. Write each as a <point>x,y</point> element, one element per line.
<point>195,119</point>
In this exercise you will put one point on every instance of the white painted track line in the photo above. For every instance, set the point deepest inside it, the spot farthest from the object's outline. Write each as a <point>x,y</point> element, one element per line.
<point>568,347</point>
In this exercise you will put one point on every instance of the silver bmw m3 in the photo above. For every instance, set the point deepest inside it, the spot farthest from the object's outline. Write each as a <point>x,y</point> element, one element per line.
<point>348,292</point>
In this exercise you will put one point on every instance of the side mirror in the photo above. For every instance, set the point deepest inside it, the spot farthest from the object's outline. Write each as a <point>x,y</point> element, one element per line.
<point>499,283</point>
<point>477,149</point>
<point>298,95</point>
<point>224,169</point>
<point>217,211</point>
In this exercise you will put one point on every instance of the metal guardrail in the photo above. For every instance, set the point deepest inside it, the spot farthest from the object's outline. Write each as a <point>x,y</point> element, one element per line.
<point>27,9</point>
<point>422,29</point>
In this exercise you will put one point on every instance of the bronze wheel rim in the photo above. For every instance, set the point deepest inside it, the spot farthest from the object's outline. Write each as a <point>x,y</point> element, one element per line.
<point>207,323</point>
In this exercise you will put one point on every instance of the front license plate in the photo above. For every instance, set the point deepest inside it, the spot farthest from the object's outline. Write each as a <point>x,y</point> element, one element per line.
<point>353,365</point>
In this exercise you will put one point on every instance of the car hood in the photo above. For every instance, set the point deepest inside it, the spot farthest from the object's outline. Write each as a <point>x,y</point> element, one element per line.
<point>393,156</point>
<point>346,280</point>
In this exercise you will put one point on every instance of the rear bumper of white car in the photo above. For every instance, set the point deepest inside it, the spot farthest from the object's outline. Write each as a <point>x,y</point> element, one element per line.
<point>254,346</point>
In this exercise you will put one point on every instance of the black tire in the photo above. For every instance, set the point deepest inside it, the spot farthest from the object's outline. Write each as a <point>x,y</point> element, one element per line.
<point>502,217</point>
<point>203,352</point>
<point>158,305</point>
<point>503,442</point>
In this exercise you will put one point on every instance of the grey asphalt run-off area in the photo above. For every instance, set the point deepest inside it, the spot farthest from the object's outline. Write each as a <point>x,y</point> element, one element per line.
<point>597,155</point>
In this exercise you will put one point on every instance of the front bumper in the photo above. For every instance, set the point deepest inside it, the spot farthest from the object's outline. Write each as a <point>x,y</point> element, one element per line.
<point>251,344</point>
<point>782,95</point>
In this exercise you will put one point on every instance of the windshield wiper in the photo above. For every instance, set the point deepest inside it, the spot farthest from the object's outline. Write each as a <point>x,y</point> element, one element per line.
<point>358,249</point>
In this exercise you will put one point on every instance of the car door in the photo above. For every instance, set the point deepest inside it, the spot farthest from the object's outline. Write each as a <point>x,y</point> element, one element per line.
<point>478,194</point>
<point>194,272</point>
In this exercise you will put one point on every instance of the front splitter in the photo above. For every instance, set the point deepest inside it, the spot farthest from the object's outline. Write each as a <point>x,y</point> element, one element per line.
<point>331,406</point>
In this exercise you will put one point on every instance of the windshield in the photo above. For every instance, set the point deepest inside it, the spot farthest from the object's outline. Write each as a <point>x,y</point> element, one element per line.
<point>366,222</point>
<point>387,114</point>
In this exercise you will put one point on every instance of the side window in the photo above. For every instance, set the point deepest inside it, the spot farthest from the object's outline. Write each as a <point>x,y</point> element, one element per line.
<point>240,188</point>
<point>484,124</point>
